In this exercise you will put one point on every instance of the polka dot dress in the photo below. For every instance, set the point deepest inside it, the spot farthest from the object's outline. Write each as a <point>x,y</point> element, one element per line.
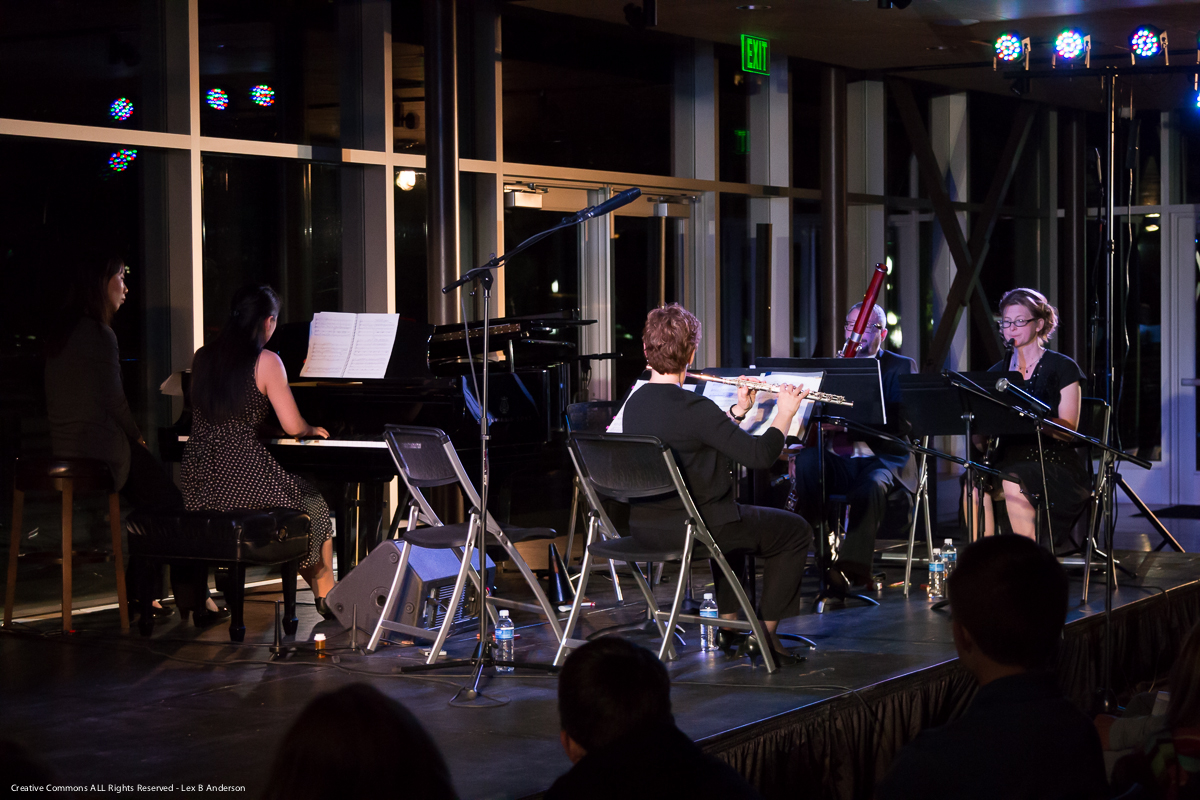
<point>225,467</point>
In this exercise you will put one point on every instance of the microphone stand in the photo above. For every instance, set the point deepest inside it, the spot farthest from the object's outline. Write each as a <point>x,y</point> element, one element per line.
<point>470,695</point>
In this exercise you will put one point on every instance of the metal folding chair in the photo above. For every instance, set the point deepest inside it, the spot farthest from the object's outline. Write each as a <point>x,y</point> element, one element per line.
<point>425,457</point>
<point>624,468</point>
<point>591,417</point>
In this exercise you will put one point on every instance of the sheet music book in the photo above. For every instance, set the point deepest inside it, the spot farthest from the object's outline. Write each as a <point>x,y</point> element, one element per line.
<point>342,345</point>
<point>725,395</point>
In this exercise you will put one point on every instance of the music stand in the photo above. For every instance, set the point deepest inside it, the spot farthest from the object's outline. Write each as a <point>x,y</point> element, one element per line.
<point>856,379</point>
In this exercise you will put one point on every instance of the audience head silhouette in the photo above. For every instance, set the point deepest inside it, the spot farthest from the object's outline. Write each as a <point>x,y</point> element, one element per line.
<point>357,742</point>
<point>1008,599</point>
<point>607,689</point>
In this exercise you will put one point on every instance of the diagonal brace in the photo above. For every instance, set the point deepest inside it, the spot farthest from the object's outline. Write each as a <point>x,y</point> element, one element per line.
<point>968,257</point>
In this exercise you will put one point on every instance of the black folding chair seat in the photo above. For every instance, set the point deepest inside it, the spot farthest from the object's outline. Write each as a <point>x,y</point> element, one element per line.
<point>624,467</point>
<point>425,458</point>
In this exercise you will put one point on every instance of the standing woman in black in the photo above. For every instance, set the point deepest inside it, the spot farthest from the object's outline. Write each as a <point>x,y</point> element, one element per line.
<point>89,413</point>
<point>234,383</point>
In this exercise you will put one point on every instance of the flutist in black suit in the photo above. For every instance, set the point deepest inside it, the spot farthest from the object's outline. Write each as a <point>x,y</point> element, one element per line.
<point>877,468</point>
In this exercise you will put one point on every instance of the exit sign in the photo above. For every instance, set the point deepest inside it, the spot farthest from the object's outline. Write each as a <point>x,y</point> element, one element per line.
<point>756,55</point>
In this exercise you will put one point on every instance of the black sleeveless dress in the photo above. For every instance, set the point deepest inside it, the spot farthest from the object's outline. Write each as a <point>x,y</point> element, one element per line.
<point>226,467</point>
<point>1068,484</point>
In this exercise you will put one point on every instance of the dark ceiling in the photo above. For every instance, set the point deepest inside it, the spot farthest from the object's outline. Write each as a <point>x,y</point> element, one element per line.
<point>948,42</point>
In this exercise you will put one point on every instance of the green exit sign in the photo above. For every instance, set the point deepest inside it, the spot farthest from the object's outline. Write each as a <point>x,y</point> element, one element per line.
<point>756,55</point>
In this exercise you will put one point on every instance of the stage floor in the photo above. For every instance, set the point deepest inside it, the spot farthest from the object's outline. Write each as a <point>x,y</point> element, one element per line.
<point>188,707</point>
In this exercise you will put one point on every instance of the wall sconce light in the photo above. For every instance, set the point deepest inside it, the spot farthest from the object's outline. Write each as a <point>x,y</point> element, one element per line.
<point>406,179</point>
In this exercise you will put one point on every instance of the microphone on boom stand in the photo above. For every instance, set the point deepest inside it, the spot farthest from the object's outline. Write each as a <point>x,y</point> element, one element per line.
<point>1003,385</point>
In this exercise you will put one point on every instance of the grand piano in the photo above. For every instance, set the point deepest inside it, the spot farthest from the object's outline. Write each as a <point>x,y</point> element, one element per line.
<point>533,374</point>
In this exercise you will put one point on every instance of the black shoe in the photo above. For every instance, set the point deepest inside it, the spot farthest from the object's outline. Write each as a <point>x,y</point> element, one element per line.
<point>206,618</point>
<point>323,608</point>
<point>729,640</point>
<point>159,612</point>
<point>751,647</point>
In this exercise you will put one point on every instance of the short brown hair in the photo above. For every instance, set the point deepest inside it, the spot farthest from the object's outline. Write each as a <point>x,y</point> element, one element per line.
<point>670,337</point>
<point>1037,303</point>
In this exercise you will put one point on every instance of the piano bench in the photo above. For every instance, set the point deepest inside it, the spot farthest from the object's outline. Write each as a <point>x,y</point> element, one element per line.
<point>227,539</point>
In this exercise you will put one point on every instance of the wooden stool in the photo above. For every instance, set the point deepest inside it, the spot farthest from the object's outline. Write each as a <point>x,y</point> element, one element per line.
<point>67,476</point>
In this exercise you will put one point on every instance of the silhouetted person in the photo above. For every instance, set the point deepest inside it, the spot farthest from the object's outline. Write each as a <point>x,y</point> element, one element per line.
<point>1020,738</point>
<point>357,743</point>
<point>614,702</point>
<point>1166,764</point>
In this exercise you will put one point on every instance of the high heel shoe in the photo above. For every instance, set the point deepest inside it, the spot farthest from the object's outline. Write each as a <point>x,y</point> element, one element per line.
<point>752,647</point>
<point>728,640</point>
<point>323,608</point>
<point>205,618</point>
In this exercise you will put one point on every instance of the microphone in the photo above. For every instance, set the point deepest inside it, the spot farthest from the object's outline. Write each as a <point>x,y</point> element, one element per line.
<point>611,204</point>
<point>1003,385</point>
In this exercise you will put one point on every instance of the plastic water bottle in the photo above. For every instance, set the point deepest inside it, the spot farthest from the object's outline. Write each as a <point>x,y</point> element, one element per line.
<point>504,641</point>
<point>708,633</point>
<point>937,576</point>
<point>949,557</point>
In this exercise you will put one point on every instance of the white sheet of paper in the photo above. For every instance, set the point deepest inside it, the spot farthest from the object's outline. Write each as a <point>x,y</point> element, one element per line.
<point>374,336</point>
<point>330,336</point>
<point>763,413</point>
<point>615,425</point>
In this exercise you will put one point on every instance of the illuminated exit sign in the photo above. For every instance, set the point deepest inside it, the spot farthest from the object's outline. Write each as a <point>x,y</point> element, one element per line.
<point>756,55</point>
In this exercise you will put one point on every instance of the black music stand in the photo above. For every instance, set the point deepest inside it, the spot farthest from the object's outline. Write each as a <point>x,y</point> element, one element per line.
<point>858,380</point>
<point>942,405</point>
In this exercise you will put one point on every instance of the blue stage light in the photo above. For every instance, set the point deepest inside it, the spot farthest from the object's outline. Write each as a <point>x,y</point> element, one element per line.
<point>1069,44</point>
<point>1009,46</point>
<point>1144,42</point>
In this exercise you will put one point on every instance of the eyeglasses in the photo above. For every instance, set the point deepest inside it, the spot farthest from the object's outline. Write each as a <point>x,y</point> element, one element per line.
<point>1013,323</point>
<point>849,327</point>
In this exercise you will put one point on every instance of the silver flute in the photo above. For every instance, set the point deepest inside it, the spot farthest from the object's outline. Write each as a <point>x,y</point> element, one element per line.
<point>763,386</point>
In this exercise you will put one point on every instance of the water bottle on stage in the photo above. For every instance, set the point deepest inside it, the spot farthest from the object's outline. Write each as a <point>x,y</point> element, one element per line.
<point>708,633</point>
<point>937,576</point>
<point>504,641</point>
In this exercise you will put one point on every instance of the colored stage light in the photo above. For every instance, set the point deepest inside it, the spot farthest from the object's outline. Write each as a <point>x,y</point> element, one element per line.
<point>121,109</point>
<point>1009,46</point>
<point>218,99</point>
<point>1069,44</point>
<point>120,160</point>
<point>263,95</point>
<point>1144,42</point>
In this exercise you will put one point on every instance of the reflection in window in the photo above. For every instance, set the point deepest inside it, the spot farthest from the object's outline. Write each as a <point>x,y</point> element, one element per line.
<point>546,276</point>
<point>1138,365</point>
<point>646,256</point>
<point>411,250</point>
<point>269,72</point>
<point>70,67</point>
<point>276,222</point>
<point>60,200</point>
<point>582,94</point>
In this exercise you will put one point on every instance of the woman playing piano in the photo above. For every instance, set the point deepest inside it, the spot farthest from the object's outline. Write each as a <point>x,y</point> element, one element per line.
<point>705,441</point>
<point>1027,322</point>
<point>234,382</point>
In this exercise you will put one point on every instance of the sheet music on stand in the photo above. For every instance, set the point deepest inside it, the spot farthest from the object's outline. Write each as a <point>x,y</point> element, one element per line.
<point>859,380</point>
<point>725,395</point>
<point>763,414</point>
